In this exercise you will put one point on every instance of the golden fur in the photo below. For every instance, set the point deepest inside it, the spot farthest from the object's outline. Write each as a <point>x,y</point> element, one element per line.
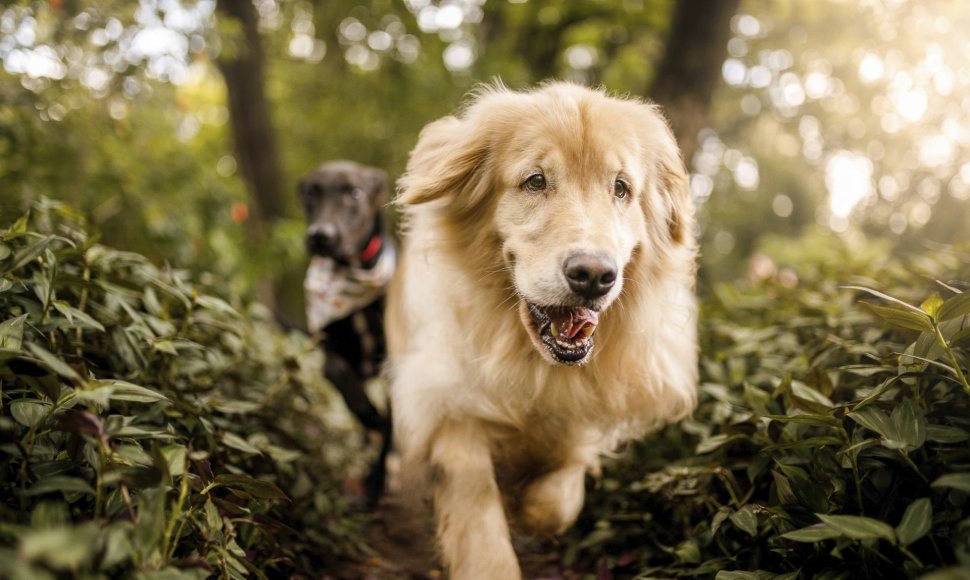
<point>505,432</point>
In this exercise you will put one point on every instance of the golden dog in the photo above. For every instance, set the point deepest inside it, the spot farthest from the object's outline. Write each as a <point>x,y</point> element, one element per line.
<point>543,310</point>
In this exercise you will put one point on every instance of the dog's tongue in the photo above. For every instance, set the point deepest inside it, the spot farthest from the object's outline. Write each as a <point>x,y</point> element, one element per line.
<point>571,321</point>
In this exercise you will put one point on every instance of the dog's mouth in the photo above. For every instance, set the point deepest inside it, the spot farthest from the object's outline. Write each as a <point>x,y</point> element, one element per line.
<point>566,332</point>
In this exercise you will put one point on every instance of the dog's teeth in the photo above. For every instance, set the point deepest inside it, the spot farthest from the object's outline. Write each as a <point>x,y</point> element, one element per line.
<point>588,330</point>
<point>554,329</point>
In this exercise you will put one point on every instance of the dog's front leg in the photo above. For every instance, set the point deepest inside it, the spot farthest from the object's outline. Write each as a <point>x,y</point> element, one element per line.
<point>472,528</point>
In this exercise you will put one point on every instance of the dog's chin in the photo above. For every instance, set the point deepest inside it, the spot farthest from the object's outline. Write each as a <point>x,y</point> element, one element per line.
<point>563,335</point>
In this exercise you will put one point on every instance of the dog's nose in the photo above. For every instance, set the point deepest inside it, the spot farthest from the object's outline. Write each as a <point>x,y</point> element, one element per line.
<point>322,238</point>
<point>589,275</point>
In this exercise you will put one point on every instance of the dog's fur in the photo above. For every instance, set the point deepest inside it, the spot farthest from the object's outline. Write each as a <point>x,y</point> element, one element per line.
<point>504,431</point>
<point>343,202</point>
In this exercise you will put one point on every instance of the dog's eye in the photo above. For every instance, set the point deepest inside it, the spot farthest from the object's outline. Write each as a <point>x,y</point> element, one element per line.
<point>620,189</point>
<point>356,193</point>
<point>535,183</point>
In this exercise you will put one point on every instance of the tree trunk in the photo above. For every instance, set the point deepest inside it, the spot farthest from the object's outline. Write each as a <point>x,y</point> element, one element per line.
<point>691,67</point>
<point>242,64</point>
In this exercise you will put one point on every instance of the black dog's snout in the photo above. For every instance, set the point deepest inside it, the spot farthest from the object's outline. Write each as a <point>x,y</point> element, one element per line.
<point>589,275</point>
<point>321,239</point>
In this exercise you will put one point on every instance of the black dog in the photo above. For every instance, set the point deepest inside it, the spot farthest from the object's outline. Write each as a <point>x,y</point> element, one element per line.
<point>353,258</point>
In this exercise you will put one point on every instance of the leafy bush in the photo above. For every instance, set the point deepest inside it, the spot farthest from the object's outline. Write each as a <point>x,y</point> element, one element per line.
<point>148,427</point>
<point>829,443</point>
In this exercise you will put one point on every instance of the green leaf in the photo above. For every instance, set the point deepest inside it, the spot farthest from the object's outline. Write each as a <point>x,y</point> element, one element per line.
<point>738,575</point>
<point>12,332</point>
<point>810,399</point>
<point>254,487</point>
<point>688,552</point>
<point>887,297</point>
<point>783,489</point>
<point>757,398</point>
<point>746,520</point>
<point>960,481</point>
<point>60,483</point>
<point>217,304</point>
<point>806,488</point>
<point>84,320</point>
<point>859,527</point>
<point>960,336</point>
<point>53,363</point>
<point>31,252</point>
<point>117,544</point>
<point>812,534</point>
<point>875,420</point>
<point>807,419</point>
<point>932,305</point>
<point>175,456</point>
<point>233,407</point>
<point>29,412</point>
<point>171,573</point>
<point>955,306</point>
<point>212,518</point>
<point>50,513</point>
<point>719,518</point>
<point>916,522</point>
<point>901,317</point>
<point>119,391</point>
<point>62,547</point>
<point>151,519</point>
<point>876,393</point>
<point>18,228</point>
<point>909,424</point>
<point>927,346</point>
<point>813,443</point>
<point>166,346</point>
<point>237,442</point>
<point>946,434</point>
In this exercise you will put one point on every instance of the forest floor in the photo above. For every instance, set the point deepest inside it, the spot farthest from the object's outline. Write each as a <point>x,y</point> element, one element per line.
<point>403,542</point>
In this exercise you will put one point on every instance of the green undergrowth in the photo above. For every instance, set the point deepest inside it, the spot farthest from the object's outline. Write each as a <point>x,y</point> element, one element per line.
<point>153,426</point>
<point>150,426</point>
<point>832,439</point>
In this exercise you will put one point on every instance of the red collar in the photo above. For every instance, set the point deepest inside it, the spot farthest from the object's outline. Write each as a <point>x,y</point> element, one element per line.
<point>372,249</point>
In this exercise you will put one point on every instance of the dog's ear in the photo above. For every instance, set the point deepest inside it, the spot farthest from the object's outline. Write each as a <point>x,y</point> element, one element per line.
<point>446,157</point>
<point>676,186</point>
<point>672,180</point>
<point>380,184</point>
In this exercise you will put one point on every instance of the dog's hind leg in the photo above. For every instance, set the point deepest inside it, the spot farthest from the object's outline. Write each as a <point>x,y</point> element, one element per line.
<point>472,528</point>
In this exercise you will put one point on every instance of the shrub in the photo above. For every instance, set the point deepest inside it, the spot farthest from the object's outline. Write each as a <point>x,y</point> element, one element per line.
<point>147,426</point>
<point>831,440</point>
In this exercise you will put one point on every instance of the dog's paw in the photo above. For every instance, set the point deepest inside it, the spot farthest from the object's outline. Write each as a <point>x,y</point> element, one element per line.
<point>551,504</point>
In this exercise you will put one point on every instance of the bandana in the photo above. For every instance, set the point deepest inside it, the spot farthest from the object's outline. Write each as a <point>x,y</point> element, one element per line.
<point>334,291</point>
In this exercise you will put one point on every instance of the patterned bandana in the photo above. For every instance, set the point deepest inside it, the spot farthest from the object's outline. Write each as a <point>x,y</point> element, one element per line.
<point>334,291</point>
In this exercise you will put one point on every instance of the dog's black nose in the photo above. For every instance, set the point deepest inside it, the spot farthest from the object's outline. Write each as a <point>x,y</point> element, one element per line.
<point>321,239</point>
<point>589,275</point>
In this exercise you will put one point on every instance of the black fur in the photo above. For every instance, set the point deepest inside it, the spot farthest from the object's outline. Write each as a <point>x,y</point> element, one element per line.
<point>343,203</point>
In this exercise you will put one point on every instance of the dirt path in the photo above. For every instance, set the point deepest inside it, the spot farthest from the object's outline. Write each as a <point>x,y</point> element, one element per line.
<point>402,538</point>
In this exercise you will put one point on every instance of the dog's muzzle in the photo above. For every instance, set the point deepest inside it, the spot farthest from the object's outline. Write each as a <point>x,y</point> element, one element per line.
<point>565,332</point>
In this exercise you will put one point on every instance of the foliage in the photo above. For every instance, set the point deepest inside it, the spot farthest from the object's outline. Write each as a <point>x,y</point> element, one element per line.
<point>147,424</point>
<point>828,442</point>
<point>822,123</point>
